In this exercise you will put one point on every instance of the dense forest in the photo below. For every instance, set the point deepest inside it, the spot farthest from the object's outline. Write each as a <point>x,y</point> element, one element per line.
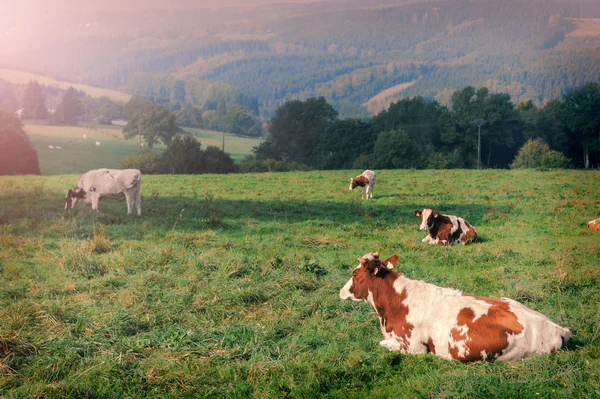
<point>359,58</point>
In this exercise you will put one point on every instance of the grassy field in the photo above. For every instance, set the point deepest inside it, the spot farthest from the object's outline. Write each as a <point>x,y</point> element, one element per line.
<point>82,154</point>
<point>22,77</point>
<point>237,147</point>
<point>227,285</point>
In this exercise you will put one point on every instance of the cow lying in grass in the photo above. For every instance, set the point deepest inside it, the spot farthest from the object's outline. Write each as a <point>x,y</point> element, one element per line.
<point>366,180</point>
<point>445,229</point>
<point>107,183</point>
<point>594,224</point>
<point>417,317</point>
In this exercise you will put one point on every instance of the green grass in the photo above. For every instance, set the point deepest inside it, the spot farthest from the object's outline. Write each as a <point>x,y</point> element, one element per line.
<point>237,147</point>
<point>81,154</point>
<point>22,77</point>
<point>227,286</point>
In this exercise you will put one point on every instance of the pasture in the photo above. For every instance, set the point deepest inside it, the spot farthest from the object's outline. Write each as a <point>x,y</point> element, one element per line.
<point>227,285</point>
<point>79,154</point>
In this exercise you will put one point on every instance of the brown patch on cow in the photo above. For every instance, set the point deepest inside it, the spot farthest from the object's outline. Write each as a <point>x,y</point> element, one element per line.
<point>489,333</point>
<point>360,181</point>
<point>430,346</point>
<point>594,224</point>
<point>388,303</point>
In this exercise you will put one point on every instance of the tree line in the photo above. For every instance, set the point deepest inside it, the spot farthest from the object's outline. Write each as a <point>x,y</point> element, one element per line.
<point>478,129</point>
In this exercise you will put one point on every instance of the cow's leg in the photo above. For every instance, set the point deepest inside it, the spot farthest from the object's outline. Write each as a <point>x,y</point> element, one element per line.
<point>129,200</point>
<point>138,202</point>
<point>428,239</point>
<point>392,345</point>
<point>95,199</point>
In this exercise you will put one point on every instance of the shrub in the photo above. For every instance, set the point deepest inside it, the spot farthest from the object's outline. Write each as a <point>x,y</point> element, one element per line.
<point>554,160</point>
<point>536,153</point>
<point>147,162</point>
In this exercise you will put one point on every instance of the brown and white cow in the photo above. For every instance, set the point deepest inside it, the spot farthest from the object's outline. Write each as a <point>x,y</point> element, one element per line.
<point>445,229</point>
<point>107,183</point>
<point>594,224</point>
<point>366,180</point>
<point>417,317</point>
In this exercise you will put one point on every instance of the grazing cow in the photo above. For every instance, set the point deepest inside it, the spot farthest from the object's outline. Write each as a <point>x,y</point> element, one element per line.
<point>107,183</point>
<point>594,224</point>
<point>445,229</point>
<point>417,317</point>
<point>366,180</point>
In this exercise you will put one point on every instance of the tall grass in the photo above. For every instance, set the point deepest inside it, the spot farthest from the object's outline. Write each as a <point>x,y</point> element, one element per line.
<point>237,295</point>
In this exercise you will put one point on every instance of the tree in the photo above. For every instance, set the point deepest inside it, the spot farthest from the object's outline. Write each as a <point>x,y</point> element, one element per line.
<point>154,122</point>
<point>581,116</point>
<point>8,100</point>
<point>342,143</point>
<point>34,102</point>
<point>396,150</point>
<point>70,107</point>
<point>17,155</point>
<point>183,156</point>
<point>297,126</point>
<point>214,160</point>
<point>536,153</point>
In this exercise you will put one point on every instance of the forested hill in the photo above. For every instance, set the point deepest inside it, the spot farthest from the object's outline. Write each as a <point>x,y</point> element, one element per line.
<point>358,57</point>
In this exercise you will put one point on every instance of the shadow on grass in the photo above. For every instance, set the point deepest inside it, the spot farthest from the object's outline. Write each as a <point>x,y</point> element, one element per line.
<point>188,213</point>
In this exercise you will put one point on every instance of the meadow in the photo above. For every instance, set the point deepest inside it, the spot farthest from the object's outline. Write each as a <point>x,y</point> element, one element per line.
<point>79,154</point>
<point>228,286</point>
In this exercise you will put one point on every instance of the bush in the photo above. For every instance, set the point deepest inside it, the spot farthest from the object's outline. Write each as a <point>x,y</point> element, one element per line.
<point>536,153</point>
<point>253,164</point>
<point>554,160</point>
<point>147,162</point>
<point>215,160</point>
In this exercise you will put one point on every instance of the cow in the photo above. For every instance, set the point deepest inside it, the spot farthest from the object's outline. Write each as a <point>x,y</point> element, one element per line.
<point>445,229</point>
<point>366,180</point>
<point>594,224</point>
<point>416,317</point>
<point>107,183</point>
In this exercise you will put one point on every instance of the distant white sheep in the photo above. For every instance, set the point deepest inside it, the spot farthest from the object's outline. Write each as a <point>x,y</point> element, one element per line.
<point>97,144</point>
<point>51,147</point>
<point>58,147</point>
<point>85,136</point>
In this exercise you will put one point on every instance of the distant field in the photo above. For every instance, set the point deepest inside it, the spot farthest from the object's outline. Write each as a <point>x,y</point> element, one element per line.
<point>21,77</point>
<point>585,27</point>
<point>82,154</point>
<point>237,147</point>
<point>228,286</point>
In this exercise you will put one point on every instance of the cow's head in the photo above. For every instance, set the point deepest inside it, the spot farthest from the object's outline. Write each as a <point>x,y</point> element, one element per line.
<point>428,217</point>
<point>73,196</point>
<point>370,267</point>
<point>358,181</point>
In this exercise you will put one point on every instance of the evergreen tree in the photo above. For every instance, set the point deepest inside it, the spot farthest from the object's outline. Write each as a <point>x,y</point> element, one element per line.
<point>17,155</point>
<point>70,107</point>
<point>34,102</point>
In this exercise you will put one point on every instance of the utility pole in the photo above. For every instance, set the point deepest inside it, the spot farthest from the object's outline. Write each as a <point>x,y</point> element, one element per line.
<point>139,135</point>
<point>223,144</point>
<point>479,122</point>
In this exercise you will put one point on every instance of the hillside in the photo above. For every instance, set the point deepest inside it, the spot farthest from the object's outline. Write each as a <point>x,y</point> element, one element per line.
<point>22,77</point>
<point>345,51</point>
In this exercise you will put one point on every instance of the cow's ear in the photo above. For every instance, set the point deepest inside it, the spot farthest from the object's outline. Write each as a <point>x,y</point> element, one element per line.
<point>436,214</point>
<point>418,213</point>
<point>391,262</point>
<point>362,261</point>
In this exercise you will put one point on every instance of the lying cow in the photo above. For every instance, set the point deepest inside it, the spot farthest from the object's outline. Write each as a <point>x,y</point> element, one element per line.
<point>445,229</point>
<point>594,224</point>
<point>107,183</point>
<point>366,180</point>
<point>417,317</point>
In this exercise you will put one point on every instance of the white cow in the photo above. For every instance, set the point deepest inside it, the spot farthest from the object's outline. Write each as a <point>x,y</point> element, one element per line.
<point>107,183</point>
